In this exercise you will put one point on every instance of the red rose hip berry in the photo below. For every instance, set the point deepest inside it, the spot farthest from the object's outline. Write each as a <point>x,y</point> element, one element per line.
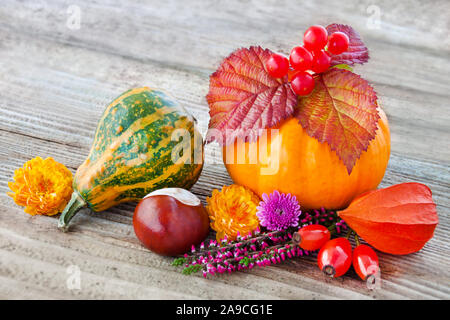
<point>302,83</point>
<point>301,59</point>
<point>335,257</point>
<point>315,38</point>
<point>277,65</point>
<point>365,263</point>
<point>312,237</point>
<point>338,42</point>
<point>321,62</point>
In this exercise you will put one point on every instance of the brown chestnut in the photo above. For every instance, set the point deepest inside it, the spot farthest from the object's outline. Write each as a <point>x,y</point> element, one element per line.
<point>169,221</point>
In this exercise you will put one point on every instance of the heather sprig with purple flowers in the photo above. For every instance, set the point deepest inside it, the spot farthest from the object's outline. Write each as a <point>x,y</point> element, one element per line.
<point>257,249</point>
<point>278,211</point>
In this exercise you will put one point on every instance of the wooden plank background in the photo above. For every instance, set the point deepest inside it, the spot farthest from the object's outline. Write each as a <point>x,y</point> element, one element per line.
<point>56,79</point>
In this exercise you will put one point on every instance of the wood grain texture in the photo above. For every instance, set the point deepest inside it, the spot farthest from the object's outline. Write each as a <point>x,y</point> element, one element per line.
<point>55,83</point>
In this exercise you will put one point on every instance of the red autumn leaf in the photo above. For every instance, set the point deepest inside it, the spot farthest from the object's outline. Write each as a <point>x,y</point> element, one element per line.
<point>341,111</point>
<point>243,98</point>
<point>357,52</point>
<point>399,219</point>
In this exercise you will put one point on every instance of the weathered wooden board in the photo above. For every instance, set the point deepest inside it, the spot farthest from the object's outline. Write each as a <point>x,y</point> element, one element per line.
<point>55,82</point>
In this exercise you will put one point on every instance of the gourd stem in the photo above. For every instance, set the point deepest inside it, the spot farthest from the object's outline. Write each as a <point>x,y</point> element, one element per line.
<point>74,205</point>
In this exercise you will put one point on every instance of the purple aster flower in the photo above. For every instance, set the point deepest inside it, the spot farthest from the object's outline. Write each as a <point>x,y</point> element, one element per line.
<point>278,211</point>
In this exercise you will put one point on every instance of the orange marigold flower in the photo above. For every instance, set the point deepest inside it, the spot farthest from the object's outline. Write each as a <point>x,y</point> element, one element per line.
<point>42,186</point>
<point>232,210</point>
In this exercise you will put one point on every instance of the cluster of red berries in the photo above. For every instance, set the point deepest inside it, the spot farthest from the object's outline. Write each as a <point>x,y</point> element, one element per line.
<point>335,256</point>
<point>308,59</point>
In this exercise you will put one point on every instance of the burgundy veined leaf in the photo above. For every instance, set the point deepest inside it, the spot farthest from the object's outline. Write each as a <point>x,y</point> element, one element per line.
<point>357,52</point>
<point>244,99</point>
<point>341,111</point>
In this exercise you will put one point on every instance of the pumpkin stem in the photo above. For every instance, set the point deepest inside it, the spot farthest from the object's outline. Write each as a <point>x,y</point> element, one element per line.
<point>74,205</point>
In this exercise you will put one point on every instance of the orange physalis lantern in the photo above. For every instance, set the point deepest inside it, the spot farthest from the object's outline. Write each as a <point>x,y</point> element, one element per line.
<point>399,219</point>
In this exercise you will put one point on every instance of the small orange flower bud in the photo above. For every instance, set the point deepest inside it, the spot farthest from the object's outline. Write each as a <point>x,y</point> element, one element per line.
<point>232,210</point>
<point>42,186</point>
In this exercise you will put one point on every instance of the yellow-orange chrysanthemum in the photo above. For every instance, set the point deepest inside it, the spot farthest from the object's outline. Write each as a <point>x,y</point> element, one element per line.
<point>42,186</point>
<point>232,210</point>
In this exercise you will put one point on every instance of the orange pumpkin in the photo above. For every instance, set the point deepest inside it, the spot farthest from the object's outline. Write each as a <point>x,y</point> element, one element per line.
<point>293,162</point>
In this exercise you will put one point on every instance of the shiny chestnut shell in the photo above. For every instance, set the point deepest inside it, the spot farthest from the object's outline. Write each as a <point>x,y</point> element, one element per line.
<point>168,226</point>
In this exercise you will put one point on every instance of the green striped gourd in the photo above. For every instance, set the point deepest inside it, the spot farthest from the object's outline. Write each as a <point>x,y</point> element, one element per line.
<point>133,152</point>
